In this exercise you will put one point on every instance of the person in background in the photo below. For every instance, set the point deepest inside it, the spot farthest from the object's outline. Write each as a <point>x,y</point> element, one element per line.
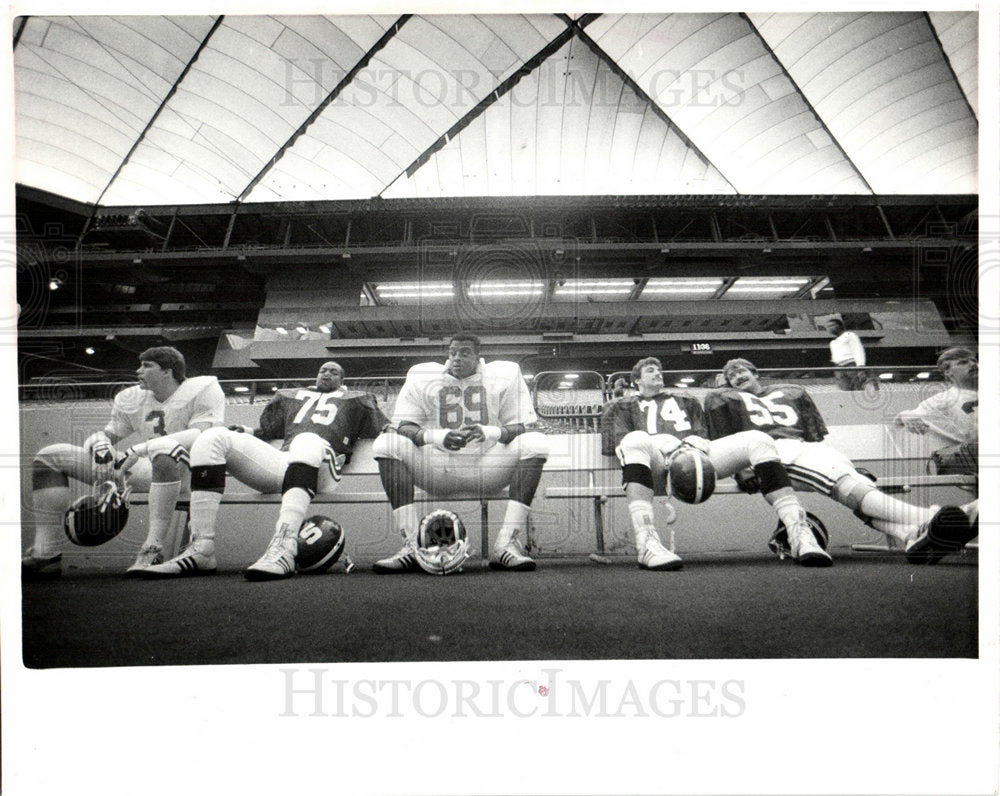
<point>846,350</point>
<point>952,414</point>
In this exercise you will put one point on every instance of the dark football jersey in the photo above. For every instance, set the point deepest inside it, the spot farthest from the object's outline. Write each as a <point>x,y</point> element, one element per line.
<point>784,411</point>
<point>665,413</point>
<point>340,417</point>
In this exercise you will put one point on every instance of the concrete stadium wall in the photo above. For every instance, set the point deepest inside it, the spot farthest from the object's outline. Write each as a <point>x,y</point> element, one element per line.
<point>859,427</point>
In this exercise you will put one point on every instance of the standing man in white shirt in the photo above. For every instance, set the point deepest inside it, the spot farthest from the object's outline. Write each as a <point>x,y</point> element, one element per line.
<point>846,351</point>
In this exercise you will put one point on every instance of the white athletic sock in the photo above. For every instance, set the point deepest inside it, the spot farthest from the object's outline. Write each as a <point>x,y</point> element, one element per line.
<point>789,511</point>
<point>162,502</point>
<point>407,522</point>
<point>880,506</point>
<point>641,513</point>
<point>515,518</point>
<point>49,508</point>
<point>895,530</point>
<point>294,505</point>
<point>204,509</point>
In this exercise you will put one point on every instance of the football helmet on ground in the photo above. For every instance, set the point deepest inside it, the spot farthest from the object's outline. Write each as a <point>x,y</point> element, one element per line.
<point>442,543</point>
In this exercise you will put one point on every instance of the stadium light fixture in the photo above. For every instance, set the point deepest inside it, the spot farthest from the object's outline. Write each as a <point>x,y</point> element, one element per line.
<point>55,283</point>
<point>281,330</point>
<point>241,388</point>
<point>89,350</point>
<point>885,376</point>
<point>923,375</point>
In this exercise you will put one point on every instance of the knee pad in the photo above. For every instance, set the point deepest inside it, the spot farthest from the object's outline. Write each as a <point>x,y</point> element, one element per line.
<point>208,478</point>
<point>45,477</point>
<point>851,491</point>
<point>772,477</point>
<point>307,449</point>
<point>299,475</point>
<point>531,445</point>
<point>637,474</point>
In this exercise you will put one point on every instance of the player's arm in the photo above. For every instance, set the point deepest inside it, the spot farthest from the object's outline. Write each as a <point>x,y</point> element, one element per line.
<point>813,427</point>
<point>718,417</point>
<point>271,424</point>
<point>446,439</point>
<point>100,446</point>
<point>374,421</point>
<point>622,420</point>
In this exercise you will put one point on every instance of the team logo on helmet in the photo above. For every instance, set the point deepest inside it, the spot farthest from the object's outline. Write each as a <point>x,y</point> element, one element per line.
<point>442,544</point>
<point>98,517</point>
<point>320,543</point>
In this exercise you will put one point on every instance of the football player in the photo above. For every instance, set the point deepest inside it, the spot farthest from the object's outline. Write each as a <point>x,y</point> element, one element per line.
<point>318,425</point>
<point>787,413</point>
<point>650,426</point>
<point>459,428</point>
<point>169,411</point>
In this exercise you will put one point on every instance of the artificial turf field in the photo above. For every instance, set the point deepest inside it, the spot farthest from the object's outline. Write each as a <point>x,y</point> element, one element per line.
<point>718,606</point>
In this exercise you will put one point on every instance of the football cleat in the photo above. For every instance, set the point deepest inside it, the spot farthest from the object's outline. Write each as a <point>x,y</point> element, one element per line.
<point>36,568</point>
<point>509,558</point>
<point>946,532</point>
<point>149,556</point>
<point>198,558</point>
<point>654,556</point>
<point>806,551</point>
<point>404,561</point>
<point>277,562</point>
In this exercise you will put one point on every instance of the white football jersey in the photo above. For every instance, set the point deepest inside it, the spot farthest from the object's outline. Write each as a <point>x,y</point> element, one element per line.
<point>198,399</point>
<point>495,395</point>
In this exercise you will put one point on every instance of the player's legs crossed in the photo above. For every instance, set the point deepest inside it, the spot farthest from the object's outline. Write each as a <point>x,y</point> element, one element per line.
<point>639,456</point>
<point>757,450</point>
<point>927,533</point>
<point>248,459</point>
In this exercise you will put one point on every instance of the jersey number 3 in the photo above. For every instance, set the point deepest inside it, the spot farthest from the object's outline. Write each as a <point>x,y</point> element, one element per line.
<point>459,407</point>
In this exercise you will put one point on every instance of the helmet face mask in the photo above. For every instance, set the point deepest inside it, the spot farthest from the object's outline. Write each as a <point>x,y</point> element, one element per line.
<point>98,517</point>
<point>442,543</point>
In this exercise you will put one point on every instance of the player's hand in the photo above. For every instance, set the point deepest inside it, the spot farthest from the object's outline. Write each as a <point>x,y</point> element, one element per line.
<point>747,481</point>
<point>127,461</point>
<point>456,440</point>
<point>488,435</point>
<point>915,425</point>
<point>240,429</point>
<point>666,443</point>
<point>700,443</point>
<point>99,448</point>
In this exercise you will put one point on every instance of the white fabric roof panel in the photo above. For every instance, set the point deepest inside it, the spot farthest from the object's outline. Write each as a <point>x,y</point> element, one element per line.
<point>752,103</point>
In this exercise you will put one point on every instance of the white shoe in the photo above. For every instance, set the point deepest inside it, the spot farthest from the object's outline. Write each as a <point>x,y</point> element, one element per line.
<point>278,560</point>
<point>34,568</point>
<point>509,557</point>
<point>198,558</point>
<point>805,549</point>
<point>150,555</point>
<point>653,555</point>
<point>403,561</point>
<point>946,532</point>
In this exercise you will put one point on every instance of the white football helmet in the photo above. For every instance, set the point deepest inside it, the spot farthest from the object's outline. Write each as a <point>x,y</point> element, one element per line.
<point>442,544</point>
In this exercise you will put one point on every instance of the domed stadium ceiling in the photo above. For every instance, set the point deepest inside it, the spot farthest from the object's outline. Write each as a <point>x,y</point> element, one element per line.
<point>163,110</point>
